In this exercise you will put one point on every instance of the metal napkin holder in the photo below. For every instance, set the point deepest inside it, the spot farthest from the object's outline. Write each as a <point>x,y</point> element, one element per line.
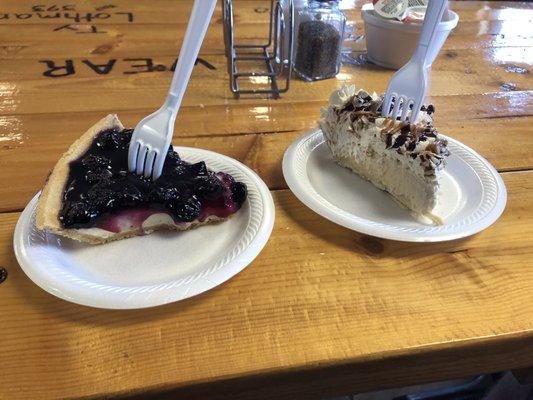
<point>273,53</point>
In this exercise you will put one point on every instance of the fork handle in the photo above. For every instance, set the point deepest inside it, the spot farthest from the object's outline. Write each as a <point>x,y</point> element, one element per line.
<point>433,16</point>
<point>201,13</point>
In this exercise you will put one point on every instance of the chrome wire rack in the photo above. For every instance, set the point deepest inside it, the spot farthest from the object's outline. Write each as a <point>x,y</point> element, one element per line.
<point>276,53</point>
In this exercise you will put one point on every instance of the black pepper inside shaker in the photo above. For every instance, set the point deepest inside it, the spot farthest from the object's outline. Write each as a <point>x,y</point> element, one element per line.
<point>319,29</point>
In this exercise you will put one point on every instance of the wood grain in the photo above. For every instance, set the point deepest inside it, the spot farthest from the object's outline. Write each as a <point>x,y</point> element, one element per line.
<point>323,311</point>
<point>254,11</point>
<point>466,72</point>
<point>119,40</point>
<point>339,301</point>
<point>31,143</point>
<point>26,163</point>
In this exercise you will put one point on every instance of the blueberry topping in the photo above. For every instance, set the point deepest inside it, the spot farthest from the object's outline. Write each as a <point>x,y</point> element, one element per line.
<point>126,135</point>
<point>163,194</point>
<point>76,213</point>
<point>130,196</point>
<point>172,157</point>
<point>99,175</point>
<point>110,140</point>
<point>99,182</point>
<point>93,161</point>
<point>180,171</point>
<point>209,187</point>
<point>102,198</point>
<point>239,192</point>
<point>198,169</point>
<point>187,210</point>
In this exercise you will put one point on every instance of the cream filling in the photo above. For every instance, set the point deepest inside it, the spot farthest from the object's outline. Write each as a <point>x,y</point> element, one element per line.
<point>149,224</point>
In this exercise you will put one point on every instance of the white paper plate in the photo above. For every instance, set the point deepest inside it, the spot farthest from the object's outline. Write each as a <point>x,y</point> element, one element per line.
<point>472,196</point>
<point>150,270</point>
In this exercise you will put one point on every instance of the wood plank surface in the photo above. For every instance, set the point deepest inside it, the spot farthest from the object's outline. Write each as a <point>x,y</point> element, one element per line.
<point>337,298</point>
<point>27,161</point>
<point>323,311</point>
<point>255,11</point>
<point>119,40</point>
<point>465,72</point>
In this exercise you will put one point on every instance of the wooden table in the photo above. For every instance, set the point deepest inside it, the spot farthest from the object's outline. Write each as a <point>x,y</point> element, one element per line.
<point>323,310</point>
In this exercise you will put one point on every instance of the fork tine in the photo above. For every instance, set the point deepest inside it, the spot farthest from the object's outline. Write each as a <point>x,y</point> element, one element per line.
<point>132,156</point>
<point>158,166</point>
<point>396,108</point>
<point>416,108</point>
<point>141,157</point>
<point>385,107</point>
<point>148,166</point>
<point>405,109</point>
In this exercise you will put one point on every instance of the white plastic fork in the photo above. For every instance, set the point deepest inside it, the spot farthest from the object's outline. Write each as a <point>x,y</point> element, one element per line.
<point>408,85</point>
<point>152,136</point>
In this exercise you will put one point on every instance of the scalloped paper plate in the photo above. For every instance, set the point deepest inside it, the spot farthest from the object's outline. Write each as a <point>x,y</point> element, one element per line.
<point>472,197</point>
<point>150,270</point>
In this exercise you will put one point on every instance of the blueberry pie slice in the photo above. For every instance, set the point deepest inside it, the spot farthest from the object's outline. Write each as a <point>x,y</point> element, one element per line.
<point>90,196</point>
<point>405,159</point>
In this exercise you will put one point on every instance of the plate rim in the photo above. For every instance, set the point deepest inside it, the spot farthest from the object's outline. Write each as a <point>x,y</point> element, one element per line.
<point>131,301</point>
<point>308,197</point>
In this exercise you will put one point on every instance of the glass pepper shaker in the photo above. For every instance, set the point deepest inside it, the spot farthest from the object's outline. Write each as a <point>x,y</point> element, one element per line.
<point>319,29</point>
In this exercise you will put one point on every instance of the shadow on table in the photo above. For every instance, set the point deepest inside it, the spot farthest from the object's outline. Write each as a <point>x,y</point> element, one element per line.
<point>356,242</point>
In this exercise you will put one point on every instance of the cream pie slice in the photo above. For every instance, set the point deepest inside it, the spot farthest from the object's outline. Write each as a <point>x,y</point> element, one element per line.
<point>91,196</point>
<point>406,160</point>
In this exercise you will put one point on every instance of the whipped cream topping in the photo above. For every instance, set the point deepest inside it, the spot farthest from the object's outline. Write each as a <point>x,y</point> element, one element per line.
<point>358,111</point>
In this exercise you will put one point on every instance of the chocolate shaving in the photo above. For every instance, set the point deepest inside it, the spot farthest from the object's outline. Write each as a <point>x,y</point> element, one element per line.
<point>347,107</point>
<point>389,141</point>
<point>409,136</point>
<point>430,109</point>
<point>400,140</point>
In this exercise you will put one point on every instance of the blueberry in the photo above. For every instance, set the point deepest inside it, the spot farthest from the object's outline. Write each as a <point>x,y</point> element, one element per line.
<point>76,213</point>
<point>163,194</point>
<point>93,161</point>
<point>95,176</point>
<point>180,171</point>
<point>226,179</point>
<point>142,183</point>
<point>198,169</point>
<point>172,157</point>
<point>130,196</point>
<point>239,192</point>
<point>102,198</point>
<point>209,188</point>
<point>186,211</point>
<point>126,136</point>
<point>109,140</point>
